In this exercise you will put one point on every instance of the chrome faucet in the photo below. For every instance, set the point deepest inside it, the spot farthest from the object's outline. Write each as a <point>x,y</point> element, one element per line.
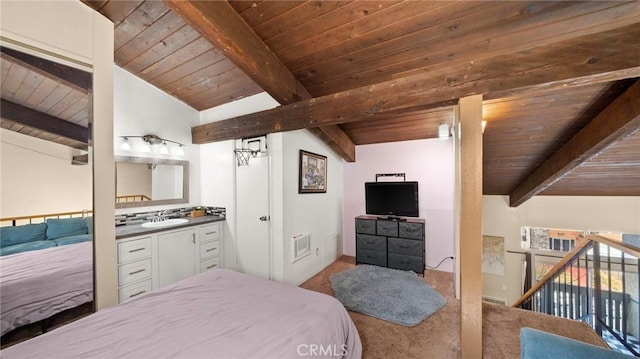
<point>160,217</point>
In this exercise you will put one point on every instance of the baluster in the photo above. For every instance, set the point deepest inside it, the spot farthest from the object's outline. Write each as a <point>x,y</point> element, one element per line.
<point>624,298</point>
<point>611,320</point>
<point>597,284</point>
<point>572,315</point>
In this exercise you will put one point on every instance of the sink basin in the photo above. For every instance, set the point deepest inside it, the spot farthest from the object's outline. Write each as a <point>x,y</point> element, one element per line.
<point>165,223</point>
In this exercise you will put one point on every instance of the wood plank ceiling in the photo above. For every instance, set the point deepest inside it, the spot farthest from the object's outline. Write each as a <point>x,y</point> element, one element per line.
<point>546,69</point>
<point>44,99</point>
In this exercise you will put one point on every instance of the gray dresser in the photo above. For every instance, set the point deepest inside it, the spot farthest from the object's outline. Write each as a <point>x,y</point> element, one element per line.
<point>393,244</point>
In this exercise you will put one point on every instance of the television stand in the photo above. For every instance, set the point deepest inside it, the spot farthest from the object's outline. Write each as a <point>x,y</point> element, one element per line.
<point>393,218</point>
<point>397,244</point>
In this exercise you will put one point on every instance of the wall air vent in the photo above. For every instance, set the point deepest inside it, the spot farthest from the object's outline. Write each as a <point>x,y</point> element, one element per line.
<point>300,246</point>
<point>494,300</point>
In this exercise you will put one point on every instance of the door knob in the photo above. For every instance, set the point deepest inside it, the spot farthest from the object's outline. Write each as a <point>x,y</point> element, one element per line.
<point>265,218</point>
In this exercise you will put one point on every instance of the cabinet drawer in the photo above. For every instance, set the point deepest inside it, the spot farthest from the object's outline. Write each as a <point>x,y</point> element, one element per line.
<point>366,256</point>
<point>387,228</point>
<point>367,226</point>
<point>405,246</point>
<point>399,261</point>
<point>134,290</point>
<point>131,272</point>
<point>367,241</point>
<point>209,249</point>
<point>210,232</point>
<point>134,250</point>
<point>209,264</point>
<point>411,230</point>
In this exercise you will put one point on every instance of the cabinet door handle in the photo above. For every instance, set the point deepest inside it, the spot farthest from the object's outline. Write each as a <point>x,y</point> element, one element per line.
<point>193,238</point>
<point>212,249</point>
<point>137,271</point>
<point>136,250</point>
<point>137,294</point>
<point>212,266</point>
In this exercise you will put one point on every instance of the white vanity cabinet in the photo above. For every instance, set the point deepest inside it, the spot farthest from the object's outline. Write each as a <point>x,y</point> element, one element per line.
<point>152,261</point>
<point>176,255</point>
<point>209,253</point>
<point>135,267</point>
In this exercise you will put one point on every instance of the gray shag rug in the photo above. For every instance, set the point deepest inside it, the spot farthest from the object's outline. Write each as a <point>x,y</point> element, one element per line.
<point>389,294</point>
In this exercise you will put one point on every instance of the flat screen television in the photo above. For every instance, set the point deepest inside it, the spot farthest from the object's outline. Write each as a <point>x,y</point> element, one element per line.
<point>393,199</point>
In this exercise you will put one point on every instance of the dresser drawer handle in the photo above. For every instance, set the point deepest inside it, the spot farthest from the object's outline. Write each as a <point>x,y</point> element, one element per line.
<point>212,249</point>
<point>137,250</point>
<point>404,247</point>
<point>371,257</point>
<point>208,233</point>
<point>137,294</point>
<point>404,262</point>
<point>212,266</point>
<point>409,229</point>
<point>137,271</point>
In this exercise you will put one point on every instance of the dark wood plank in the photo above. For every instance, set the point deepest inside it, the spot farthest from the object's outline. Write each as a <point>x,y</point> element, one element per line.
<point>173,43</point>
<point>118,10</point>
<point>136,22</point>
<point>618,120</point>
<point>179,58</point>
<point>44,122</point>
<point>264,11</point>
<point>75,78</point>
<point>148,38</point>
<point>550,24</point>
<point>431,88</point>
<point>223,27</point>
<point>218,22</point>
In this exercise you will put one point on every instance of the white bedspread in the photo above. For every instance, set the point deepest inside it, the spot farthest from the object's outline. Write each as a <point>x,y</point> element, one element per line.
<point>34,285</point>
<point>215,314</point>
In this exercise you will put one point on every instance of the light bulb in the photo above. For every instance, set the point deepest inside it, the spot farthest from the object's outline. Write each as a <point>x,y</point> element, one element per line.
<point>164,150</point>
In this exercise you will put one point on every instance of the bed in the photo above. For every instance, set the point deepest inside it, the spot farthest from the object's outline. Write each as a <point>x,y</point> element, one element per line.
<point>35,285</point>
<point>215,314</point>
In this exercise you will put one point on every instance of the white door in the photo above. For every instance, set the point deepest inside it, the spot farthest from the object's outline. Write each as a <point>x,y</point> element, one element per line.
<point>253,228</point>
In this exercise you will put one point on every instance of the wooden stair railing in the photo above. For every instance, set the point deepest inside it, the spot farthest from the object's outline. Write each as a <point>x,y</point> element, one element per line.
<point>580,287</point>
<point>574,253</point>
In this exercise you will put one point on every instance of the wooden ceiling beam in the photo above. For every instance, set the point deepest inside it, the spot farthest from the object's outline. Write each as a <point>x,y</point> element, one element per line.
<point>619,119</point>
<point>427,90</point>
<point>219,23</point>
<point>70,76</point>
<point>42,121</point>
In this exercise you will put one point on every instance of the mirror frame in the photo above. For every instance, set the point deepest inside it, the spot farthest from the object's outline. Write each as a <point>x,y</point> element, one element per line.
<point>185,180</point>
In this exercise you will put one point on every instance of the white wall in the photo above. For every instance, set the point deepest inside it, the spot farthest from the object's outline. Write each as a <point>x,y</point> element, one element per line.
<point>430,162</point>
<point>77,32</point>
<point>38,178</point>
<point>614,214</point>
<point>319,214</point>
<point>218,166</point>
<point>141,109</point>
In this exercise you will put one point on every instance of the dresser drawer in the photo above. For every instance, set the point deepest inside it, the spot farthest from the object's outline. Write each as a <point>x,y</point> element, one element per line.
<point>405,246</point>
<point>134,271</point>
<point>134,290</point>
<point>210,232</point>
<point>366,256</point>
<point>209,264</point>
<point>387,228</point>
<point>411,230</point>
<point>399,261</point>
<point>209,249</point>
<point>133,250</point>
<point>367,241</point>
<point>367,226</point>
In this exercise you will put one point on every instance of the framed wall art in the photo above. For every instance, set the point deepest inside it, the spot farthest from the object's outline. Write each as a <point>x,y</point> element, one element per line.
<point>313,173</point>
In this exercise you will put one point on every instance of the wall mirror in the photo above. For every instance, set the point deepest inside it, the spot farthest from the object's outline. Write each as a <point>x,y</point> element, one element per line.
<point>46,229</point>
<point>142,181</point>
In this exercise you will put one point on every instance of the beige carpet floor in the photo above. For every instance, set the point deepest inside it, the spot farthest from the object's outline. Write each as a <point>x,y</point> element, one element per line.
<point>439,335</point>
